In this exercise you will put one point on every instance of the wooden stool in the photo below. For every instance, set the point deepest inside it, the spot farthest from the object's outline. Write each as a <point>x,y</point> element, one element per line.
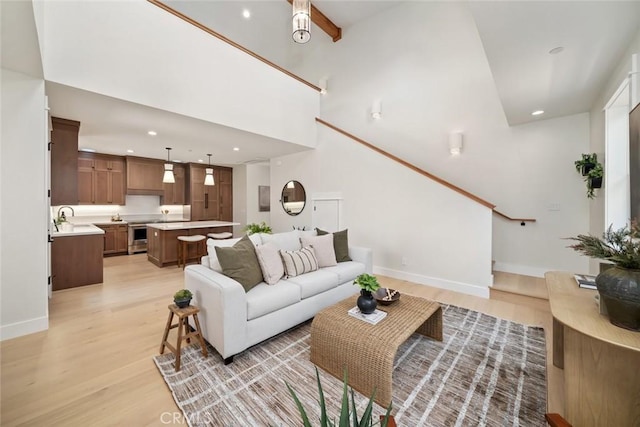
<point>183,247</point>
<point>182,325</point>
<point>220,236</point>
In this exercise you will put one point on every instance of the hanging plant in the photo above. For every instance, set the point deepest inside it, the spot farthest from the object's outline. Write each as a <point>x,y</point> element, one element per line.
<point>594,179</point>
<point>586,163</point>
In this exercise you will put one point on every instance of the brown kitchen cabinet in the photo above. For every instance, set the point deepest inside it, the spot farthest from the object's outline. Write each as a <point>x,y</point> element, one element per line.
<point>64,161</point>
<point>76,261</point>
<point>115,239</point>
<point>144,176</point>
<point>162,245</point>
<point>174,194</point>
<point>100,179</point>
<point>210,202</point>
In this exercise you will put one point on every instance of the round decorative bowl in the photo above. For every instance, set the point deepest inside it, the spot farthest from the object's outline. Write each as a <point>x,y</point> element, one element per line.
<point>386,296</point>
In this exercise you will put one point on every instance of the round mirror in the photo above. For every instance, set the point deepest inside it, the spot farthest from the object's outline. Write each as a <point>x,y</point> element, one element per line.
<point>293,198</point>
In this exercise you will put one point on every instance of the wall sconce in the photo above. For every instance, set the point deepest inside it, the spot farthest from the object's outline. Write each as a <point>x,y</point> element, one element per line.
<point>301,21</point>
<point>455,143</point>
<point>208,177</point>
<point>323,86</point>
<point>168,177</point>
<point>376,110</point>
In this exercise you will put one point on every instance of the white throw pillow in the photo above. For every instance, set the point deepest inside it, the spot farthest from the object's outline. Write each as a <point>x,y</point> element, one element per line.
<point>270,263</point>
<point>299,262</point>
<point>323,247</point>
<point>288,241</point>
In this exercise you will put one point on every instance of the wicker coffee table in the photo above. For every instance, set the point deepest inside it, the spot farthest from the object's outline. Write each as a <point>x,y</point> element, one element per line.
<point>339,341</point>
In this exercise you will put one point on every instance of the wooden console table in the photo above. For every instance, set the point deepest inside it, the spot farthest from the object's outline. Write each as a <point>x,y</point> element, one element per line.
<point>601,361</point>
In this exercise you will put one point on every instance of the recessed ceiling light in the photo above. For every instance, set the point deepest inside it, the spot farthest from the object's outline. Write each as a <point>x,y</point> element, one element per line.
<point>129,151</point>
<point>246,13</point>
<point>236,149</point>
<point>200,160</point>
<point>556,50</point>
<point>152,133</point>
<point>88,150</point>
<point>537,112</point>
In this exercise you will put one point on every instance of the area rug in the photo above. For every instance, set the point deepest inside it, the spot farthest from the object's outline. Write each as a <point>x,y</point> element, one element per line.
<point>487,371</point>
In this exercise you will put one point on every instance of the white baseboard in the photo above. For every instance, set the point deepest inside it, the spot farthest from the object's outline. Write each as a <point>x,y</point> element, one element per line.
<point>465,288</point>
<point>524,270</point>
<point>25,327</point>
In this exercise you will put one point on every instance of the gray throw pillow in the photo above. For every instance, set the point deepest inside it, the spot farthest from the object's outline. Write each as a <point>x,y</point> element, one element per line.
<point>340,244</point>
<point>240,263</point>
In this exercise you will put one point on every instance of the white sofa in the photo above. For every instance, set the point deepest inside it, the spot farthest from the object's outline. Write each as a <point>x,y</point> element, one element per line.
<point>233,320</point>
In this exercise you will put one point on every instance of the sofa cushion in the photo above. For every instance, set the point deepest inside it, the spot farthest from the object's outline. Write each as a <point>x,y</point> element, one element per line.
<point>340,244</point>
<point>289,241</point>
<point>323,247</point>
<point>315,282</point>
<point>214,264</point>
<point>264,299</point>
<point>240,263</point>
<point>270,263</point>
<point>299,262</point>
<point>347,271</point>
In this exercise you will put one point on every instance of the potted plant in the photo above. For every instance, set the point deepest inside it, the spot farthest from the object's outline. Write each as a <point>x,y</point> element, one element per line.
<point>368,284</point>
<point>594,179</point>
<point>619,286</point>
<point>182,298</point>
<point>348,413</point>
<point>258,228</point>
<point>586,163</point>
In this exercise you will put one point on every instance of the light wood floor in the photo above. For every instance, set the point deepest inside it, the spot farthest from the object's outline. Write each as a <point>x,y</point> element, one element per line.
<point>94,366</point>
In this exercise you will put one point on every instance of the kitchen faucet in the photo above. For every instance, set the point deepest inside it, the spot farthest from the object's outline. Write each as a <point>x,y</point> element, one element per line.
<point>62,207</point>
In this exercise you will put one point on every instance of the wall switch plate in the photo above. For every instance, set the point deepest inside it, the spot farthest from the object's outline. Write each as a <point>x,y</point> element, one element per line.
<point>404,260</point>
<point>553,206</point>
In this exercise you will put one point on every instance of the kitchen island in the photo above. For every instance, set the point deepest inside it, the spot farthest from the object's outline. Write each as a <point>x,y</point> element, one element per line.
<point>76,256</point>
<point>162,239</point>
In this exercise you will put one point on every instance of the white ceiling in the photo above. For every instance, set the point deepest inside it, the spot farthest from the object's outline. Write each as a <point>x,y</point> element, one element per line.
<point>516,37</point>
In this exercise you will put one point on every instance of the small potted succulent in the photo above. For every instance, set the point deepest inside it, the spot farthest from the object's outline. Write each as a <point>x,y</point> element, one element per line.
<point>368,284</point>
<point>182,298</point>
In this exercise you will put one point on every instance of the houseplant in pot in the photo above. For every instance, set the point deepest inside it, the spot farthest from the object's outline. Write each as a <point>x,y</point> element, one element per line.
<point>257,228</point>
<point>182,298</point>
<point>619,286</point>
<point>594,179</point>
<point>368,284</point>
<point>586,163</point>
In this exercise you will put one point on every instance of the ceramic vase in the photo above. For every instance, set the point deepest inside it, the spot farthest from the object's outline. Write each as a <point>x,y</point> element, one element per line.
<point>619,290</point>
<point>366,303</point>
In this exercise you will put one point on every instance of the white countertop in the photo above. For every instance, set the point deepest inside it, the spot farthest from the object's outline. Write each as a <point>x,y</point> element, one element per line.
<point>77,230</point>
<point>192,224</point>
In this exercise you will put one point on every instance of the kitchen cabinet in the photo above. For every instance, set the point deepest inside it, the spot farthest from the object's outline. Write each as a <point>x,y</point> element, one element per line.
<point>144,176</point>
<point>115,239</point>
<point>76,261</point>
<point>64,161</point>
<point>100,179</point>
<point>210,202</point>
<point>174,194</point>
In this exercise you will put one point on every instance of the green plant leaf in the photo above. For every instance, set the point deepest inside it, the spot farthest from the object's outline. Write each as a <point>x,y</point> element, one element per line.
<point>366,420</point>
<point>303,413</point>
<point>321,401</point>
<point>344,407</point>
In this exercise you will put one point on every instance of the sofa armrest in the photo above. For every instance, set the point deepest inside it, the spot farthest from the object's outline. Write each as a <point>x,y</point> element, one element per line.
<point>363,255</point>
<point>223,307</point>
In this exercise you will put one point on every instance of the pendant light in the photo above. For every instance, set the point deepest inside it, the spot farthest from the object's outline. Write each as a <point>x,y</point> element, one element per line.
<point>208,178</point>
<point>301,21</point>
<point>168,177</point>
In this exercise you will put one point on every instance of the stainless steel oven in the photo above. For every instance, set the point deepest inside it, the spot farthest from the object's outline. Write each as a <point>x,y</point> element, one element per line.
<point>137,238</point>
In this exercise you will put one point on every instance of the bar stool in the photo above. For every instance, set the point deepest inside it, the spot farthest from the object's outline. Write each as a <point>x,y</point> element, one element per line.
<point>220,236</point>
<point>183,330</point>
<point>183,247</point>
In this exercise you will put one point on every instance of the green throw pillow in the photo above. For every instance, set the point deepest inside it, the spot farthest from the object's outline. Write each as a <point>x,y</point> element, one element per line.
<point>340,244</point>
<point>241,263</point>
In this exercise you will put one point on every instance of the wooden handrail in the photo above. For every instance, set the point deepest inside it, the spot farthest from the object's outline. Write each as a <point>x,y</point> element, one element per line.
<point>206,29</point>
<point>409,165</point>
<point>522,221</point>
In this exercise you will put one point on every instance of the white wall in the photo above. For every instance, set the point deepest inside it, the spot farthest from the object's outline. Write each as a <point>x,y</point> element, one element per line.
<point>395,211</point>
<point>257,174</point>
<point>23,220</point>
<point>239,198</point>
<point>428,93</point>
<point>172,65</point>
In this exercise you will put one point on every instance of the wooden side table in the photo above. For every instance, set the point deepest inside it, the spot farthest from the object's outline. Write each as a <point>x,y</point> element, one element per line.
<point>183,330</point>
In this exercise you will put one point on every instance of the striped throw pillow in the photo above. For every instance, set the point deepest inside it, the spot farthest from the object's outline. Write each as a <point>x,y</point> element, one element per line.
<point>299,262</point>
